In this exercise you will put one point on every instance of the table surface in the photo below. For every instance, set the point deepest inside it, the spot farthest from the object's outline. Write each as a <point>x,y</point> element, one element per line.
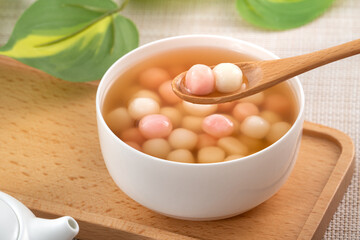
<point>332,92</point>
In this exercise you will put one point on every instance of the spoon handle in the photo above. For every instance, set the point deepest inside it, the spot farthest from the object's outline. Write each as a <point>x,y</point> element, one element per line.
<point>286,68</point>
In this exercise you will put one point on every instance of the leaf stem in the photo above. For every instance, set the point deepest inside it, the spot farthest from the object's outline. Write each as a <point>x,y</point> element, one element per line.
<point>123,5</point>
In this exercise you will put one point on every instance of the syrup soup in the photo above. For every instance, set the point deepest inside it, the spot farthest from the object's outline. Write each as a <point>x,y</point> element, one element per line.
<point>142,110</point>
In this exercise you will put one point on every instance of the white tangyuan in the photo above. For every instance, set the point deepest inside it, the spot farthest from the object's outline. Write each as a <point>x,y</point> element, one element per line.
<point>140,107</point>
<point>181,155</point>
<point>210,155</point>
<point>277,130</point>
<point>255,127</point>
<point>183,138</point>
<point>228,77</point>
<point>157,147</point>
<point>119,119</point>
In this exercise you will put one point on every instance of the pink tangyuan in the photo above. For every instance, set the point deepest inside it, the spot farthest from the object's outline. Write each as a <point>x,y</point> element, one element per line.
<point>200,80</point>
<point>218,125</point>
<point>155,126</point>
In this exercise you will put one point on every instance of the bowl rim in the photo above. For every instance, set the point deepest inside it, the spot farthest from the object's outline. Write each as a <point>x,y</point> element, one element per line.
<point>106,84</point>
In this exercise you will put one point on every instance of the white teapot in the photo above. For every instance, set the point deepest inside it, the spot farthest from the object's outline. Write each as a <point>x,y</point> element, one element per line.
<point>17,222</point>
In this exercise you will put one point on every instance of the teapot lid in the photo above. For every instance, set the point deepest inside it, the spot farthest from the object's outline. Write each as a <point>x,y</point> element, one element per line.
<point>9,224</point>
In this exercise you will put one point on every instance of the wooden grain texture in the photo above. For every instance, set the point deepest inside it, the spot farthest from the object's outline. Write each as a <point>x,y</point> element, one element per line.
<point>50,159</point>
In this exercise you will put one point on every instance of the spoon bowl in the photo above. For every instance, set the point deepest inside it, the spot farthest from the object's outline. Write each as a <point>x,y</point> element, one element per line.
<point>260,75</point>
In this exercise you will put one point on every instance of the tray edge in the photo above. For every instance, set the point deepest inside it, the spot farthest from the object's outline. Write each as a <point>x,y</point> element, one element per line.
<point>323,210</point>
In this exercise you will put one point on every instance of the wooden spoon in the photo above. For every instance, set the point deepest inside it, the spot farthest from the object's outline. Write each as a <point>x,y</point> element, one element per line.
<point>264,74</point>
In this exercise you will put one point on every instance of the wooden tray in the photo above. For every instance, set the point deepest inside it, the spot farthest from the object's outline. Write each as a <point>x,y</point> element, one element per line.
<point>51,161</point>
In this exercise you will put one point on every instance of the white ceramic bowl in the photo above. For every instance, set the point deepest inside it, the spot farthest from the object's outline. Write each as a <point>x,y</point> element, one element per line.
<point>197,191</point>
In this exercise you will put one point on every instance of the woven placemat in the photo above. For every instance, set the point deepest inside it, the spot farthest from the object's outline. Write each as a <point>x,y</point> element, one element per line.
<point>332,92</point>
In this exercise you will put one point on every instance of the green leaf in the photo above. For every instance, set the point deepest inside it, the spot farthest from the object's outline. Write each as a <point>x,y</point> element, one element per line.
<point>281,14</point>
<point>76,40</point>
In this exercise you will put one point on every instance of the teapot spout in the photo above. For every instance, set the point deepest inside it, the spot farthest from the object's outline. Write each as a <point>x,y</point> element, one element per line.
<point>64,228</point>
